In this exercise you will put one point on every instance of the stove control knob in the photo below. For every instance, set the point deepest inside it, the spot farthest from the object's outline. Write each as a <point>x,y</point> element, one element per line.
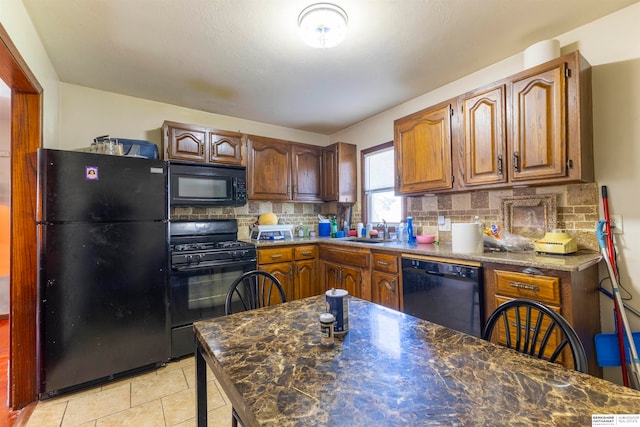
<point>189,259</point>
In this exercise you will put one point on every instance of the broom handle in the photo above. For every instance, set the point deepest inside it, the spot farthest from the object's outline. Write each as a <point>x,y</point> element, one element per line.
<point>607,230</point>
<point>609,255</point>
<point>634,359</point>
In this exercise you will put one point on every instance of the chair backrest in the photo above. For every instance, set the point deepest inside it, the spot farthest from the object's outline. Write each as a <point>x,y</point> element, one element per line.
<point>532,328</point>
<point>252,290</point>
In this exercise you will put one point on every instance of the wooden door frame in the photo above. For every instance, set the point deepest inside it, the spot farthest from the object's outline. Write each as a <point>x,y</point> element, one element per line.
<point>26,138</point>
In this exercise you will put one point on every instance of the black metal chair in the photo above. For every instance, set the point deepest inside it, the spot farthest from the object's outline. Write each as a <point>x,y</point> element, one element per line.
<point>529,327</point>
<point>252,290</point>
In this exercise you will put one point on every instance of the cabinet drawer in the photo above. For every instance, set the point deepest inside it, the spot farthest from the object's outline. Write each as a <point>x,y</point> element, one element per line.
<point>305,252</point>
<point>545,289</point>
<point>352,258</point>
<point>271,255</point>
<point>385,262</point>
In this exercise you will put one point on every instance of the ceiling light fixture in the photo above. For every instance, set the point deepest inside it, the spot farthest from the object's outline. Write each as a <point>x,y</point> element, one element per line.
<point>322,25</point>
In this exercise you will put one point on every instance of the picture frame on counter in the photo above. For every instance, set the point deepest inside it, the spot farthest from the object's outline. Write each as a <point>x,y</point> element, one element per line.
<point>529,216</point>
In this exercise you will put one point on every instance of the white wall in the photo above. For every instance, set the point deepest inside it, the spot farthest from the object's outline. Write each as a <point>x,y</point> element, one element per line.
<point>107,113</point>
<point>612,47</point>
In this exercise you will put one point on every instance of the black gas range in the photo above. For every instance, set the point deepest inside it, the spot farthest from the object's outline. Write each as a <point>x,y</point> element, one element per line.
<point>206,257</point>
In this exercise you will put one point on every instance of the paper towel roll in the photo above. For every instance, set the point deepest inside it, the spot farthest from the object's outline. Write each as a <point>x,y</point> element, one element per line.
<point>466,238</point>
<point>541,52</point>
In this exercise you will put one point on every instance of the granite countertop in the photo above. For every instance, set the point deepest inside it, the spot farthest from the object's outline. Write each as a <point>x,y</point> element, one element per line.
<point>390,369</point>
<point>578,261</point>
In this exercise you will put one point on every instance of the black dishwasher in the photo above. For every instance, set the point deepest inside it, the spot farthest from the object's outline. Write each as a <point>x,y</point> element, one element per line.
<point>444,293</point>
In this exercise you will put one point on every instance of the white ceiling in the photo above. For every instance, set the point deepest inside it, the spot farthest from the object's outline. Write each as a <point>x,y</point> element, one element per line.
<point>243,58</point>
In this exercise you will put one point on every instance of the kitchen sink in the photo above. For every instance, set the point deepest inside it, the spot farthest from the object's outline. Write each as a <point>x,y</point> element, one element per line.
<point>365,240</point>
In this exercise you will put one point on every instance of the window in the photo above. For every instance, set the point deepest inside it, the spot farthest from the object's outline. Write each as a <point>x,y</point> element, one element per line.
<point>379,199</point>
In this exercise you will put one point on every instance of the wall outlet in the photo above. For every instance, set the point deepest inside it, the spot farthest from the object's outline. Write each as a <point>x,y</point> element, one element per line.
<point>615,222</point>
<point>445,226</point>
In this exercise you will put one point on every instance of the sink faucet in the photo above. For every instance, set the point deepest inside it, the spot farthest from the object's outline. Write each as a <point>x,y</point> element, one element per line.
<point>385,227</point>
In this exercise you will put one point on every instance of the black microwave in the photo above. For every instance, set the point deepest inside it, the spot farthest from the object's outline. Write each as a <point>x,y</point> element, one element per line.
<point>196,184</point>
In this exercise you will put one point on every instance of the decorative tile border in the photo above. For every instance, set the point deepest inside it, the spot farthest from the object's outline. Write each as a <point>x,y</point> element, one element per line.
<point>529,216</point>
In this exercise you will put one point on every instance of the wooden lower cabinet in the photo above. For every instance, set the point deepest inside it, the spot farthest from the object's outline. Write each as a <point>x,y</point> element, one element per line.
<point>574,295</point>
<point>294,266</point>
<point>305,272</point>
<point>346,268</point>
<point>385,283</point>
<point>340,276</point>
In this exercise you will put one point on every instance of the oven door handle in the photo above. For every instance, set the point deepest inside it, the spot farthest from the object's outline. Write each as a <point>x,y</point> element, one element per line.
<point>204,266</point>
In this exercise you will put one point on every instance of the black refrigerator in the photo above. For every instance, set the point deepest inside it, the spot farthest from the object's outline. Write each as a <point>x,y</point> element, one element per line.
<point>103,305</point>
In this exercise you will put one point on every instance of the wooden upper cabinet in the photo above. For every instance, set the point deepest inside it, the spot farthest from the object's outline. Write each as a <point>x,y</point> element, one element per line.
<point>184,142</point>
<point>422,144</point>
<point>538,108</point>
<point>268,169</point>
<point>551,130</point>
<point>339,182</point>
<point>548,136</point>
<point>484,142</point>
<point>225,147</point>
<point>201,144</point>
<point>306,172</point>
<point>283,170</point>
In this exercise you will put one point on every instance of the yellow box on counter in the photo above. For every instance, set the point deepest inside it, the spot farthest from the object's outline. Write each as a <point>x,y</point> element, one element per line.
<point>556,242</point>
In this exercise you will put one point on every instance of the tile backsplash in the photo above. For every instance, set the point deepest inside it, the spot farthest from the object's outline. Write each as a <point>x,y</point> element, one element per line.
<point>289,212</point>
<point>577,208</point>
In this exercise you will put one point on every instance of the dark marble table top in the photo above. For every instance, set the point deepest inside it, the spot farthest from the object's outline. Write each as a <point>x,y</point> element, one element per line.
<point>390,369</point>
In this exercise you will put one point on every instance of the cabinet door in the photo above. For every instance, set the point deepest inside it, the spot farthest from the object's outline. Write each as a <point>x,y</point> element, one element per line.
<point>186,144</point>
<point>269,169</point>
<point>225,147</point>
<point>306,173</point>
<point>538,114</point>
<point>283,272</point>
<point>330,173</point>
<point>422,144</point>
<point>306,279</point>
<point>339,175</point>
<point>331,276</point>
<point>484,139</point>
<point>385,290</point>
<point>554,337</point>
<point>351,280</point>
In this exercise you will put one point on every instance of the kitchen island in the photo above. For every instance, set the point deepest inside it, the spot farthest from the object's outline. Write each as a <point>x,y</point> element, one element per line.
<point>388,369</point>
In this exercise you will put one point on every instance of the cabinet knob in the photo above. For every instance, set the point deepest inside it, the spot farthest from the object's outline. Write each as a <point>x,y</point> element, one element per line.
<point>499,164</point>
<point>516,162</point>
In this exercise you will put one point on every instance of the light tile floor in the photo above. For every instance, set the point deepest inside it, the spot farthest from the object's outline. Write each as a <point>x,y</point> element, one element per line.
<point>161,398</point>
